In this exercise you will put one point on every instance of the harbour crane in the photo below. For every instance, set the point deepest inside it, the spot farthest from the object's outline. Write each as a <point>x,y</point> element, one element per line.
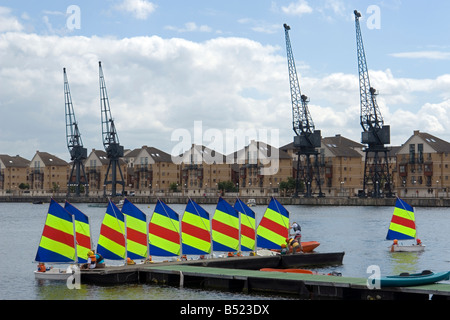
<point>375,134</point>
<point>306,138</point>
<point>114,150</point>
<point>78,153</point>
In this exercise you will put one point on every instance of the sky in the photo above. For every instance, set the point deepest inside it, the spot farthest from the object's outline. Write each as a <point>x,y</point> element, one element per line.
<point>215,72</point>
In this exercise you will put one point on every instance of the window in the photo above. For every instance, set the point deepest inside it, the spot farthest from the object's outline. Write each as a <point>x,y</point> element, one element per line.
<point>412,153</point>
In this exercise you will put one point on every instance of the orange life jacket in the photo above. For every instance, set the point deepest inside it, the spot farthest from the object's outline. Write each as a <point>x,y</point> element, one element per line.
<point>41,268</point>
<point>93,259</point>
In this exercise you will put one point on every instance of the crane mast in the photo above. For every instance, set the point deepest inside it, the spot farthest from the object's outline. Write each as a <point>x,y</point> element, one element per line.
<point>114,150</point>
<point>78,153</point>
<point>375,134</point>
<point>306,138</point>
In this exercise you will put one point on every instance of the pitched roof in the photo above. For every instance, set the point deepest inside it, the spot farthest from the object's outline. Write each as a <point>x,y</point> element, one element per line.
<point>265,151</point>
<point>50,159</point>
<point>16,161</point>
<point>436,143</point>
<point>342,147</point>
<point>157,155</point>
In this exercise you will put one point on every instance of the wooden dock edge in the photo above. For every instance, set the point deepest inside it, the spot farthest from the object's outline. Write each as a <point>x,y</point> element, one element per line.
<point>241,275</point>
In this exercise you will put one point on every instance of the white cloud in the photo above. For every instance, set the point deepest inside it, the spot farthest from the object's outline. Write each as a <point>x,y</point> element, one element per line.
<point>434,55</point>
<point>9,22</point>
<point>297,8</point>
<point>190,27</point>
<point>141,9</point>
<point>157,85</point>
<point>261,26</point>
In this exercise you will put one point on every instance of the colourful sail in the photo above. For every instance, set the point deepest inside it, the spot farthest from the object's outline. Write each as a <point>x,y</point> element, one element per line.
<point>164,231</point>
<point>274,226</point>
<point>402,225</point>
<point>248,234</point>
<point>225,227</point>
<point>111,242</point>
<point>58,237</point>
<point>136,226</point>
<point>195,230</point>
<point>82,232</point>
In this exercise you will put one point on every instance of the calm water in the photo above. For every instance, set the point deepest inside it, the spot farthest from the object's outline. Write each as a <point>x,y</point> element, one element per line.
<point>359,231</point>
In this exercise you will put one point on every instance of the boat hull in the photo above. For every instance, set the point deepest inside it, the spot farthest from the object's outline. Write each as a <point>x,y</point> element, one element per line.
<point>414,279</point>
<point>410,248</point>
<point>307,246</point>
<point>52,274</point>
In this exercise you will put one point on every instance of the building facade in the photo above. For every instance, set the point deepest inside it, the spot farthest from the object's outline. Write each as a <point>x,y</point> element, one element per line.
<point>14,178</point>
<point>419,168</point>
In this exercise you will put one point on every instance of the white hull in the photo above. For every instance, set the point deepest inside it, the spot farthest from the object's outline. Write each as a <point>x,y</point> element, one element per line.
<point>58,274</point>
<point>410,248</point>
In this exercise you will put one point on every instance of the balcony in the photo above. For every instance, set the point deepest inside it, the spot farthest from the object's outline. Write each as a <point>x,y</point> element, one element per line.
<point>402,170</point>
<point>428,169</point>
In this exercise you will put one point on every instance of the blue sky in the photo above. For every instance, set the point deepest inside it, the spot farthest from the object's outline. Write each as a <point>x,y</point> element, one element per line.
<point>170,63</point>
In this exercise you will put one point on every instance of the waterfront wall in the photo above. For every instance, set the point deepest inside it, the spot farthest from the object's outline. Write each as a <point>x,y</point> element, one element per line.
<point>325,201</point>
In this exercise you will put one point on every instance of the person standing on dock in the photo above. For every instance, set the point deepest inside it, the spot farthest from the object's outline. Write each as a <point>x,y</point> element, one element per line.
<point>297,231</point>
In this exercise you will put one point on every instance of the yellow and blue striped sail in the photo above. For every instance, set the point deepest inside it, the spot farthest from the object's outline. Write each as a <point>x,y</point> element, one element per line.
<point>58,239</point>
<point>82,232</point>
<point>248,235</point>
<point>273,228</point>
<point>111,242</point>
<point>403,226</point>
<point>136,226</point>
<point>225,227</point>
<point>164,231</point>
<point>195,230</point>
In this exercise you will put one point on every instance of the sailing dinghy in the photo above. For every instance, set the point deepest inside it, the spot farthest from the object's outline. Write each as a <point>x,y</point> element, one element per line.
<point>403,227</point>
<point>273,230</point>
<point>225,227</point>
<point>112,240</point>
<point>195,230</point>
<point>164,232</point>
<point>248,234</point>
<point>57,244</point>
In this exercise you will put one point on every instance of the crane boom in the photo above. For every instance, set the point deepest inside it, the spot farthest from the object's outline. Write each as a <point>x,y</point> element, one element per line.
<point>74,143</point>
<point>301,118</point>
<point>375,134</point>
<point>306,138</point>
<point>110,139</point>
<point>370,113</point>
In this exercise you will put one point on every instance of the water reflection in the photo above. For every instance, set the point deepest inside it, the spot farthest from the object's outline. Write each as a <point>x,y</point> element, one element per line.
<point>404,262</point>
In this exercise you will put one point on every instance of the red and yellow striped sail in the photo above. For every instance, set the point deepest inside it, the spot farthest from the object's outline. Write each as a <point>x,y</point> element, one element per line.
<point>403,226</point>
<point>225,227</point>
<point>274,226</point>
<point>195,230</point>
<point>164,231</point>
<point>248,234</point>
<point>136,224</point>
<point>58,239</point>
<point>82,232</point>
<point>111,242</point>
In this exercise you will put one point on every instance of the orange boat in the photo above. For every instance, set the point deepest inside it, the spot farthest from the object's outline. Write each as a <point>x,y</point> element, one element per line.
<point>307,246</point>
<point>288,270</point>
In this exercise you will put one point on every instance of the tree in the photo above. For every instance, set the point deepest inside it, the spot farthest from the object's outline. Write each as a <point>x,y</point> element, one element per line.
<point>24,186</point>
<point>289,186</point>
<point>173,187</point>
<point>227,186</point>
